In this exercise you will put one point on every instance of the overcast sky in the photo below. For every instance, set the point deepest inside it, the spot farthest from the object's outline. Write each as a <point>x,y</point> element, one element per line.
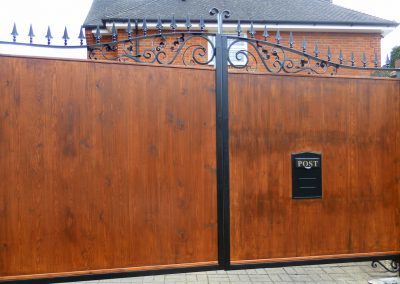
<point>72,13</point>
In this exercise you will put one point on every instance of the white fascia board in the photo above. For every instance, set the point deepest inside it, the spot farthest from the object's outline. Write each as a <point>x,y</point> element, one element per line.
<point>274,27</point>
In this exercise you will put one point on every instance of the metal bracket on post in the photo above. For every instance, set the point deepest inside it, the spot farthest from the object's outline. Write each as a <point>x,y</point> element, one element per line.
<point>221,84</point>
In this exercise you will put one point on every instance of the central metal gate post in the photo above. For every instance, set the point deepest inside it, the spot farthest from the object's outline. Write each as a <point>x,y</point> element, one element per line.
<point>222,110</point>
<point>221,80</point>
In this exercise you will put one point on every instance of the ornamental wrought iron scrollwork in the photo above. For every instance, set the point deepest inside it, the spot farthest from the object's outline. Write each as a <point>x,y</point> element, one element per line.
<point>392,267</point>
<point>274,58</point>
<point>184,48</point>
<point>104,50</point>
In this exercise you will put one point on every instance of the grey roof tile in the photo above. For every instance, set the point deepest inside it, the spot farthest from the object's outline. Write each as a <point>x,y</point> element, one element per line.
<point>269,11</point>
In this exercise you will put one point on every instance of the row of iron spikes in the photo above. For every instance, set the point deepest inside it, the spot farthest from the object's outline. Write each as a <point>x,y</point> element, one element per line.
<point>317,51</point>
<point>252,32</point>
<point>49,36</point>
<point>159,27</point>
<point>188,25</point>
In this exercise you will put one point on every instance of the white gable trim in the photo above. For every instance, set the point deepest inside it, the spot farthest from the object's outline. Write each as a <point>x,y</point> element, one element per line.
<point>230,28</point>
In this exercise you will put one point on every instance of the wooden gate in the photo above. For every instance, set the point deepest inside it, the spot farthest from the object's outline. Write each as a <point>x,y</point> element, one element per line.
<point>105,168</point>
<point>355,124</point>
<point>112,169</point>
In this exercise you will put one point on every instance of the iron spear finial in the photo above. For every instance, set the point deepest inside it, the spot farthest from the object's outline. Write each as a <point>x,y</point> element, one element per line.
<point>239,29</point>
<point>188,23</point>
<point>278,37</point>
<point>65,36</point>
<point>265,33</point>
<point>14,33</point>
<point>48,36</point>
<point>252,31</point>
<point>304,45</point>
<point>114,33</point>
<point>81,36</point>
<point>291,40</point>
<point>98,34</point>
<point>202,24</point>
<point>159,25</point>
<point>220,17</point>
<point>31,34</point>
<point>173,24</point>
<point>129,29</point>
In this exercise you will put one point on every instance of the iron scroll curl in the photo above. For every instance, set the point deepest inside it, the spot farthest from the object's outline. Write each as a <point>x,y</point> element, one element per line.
<point>185,48</point>
<point>393,267</point>
<point>274,58</point>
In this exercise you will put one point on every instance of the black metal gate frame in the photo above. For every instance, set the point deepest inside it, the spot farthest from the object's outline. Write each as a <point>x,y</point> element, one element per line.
<point>266,56</point>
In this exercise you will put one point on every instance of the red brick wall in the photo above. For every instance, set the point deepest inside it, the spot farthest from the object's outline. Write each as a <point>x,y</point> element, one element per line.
<point>347,42</point>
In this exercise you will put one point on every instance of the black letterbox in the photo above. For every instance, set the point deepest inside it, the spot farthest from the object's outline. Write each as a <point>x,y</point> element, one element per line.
<point>306,175</point>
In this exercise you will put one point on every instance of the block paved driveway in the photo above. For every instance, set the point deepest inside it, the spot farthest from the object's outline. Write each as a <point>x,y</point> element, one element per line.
<point>332,273</point>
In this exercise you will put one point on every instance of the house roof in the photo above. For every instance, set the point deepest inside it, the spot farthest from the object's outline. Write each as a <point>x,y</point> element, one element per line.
<point>321,12</point>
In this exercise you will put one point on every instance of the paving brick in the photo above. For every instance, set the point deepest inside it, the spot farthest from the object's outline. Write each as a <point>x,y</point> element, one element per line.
<point>233,277</point>
<point>159,277</point>
<point>256,271</point>
<point>352,269</point>
<point>340,277</point>
<point>332,270</point>
<point>290,270</point>
<point>320,277</point>
<point>259,278</point>
<point>261,271</point>
<point>173,277</point>
<point>218,278</point>
<point>275,277</point>
<point>243,277</point>
<point>127,280</point>
<point>235,272</point>
<point>312,269</point>
<point>361,276</point>
<point>202,277</point>
<point>285,277</point>
<point>300,278</point>
<point>275,270</point>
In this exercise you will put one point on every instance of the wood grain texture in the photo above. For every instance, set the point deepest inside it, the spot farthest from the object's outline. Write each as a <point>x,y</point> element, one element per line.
<point>105,166</point>
<point>355,124</point>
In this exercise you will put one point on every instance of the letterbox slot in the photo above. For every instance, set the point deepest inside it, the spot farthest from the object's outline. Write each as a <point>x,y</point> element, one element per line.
<point>306,175</point>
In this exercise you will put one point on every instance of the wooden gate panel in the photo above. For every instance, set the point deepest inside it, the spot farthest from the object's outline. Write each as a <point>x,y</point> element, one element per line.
<point>354,123</point>
<point>105,167</point>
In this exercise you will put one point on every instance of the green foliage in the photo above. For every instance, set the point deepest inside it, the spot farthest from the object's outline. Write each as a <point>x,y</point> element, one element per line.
<point>381,73</point>
<point>395,55</point>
